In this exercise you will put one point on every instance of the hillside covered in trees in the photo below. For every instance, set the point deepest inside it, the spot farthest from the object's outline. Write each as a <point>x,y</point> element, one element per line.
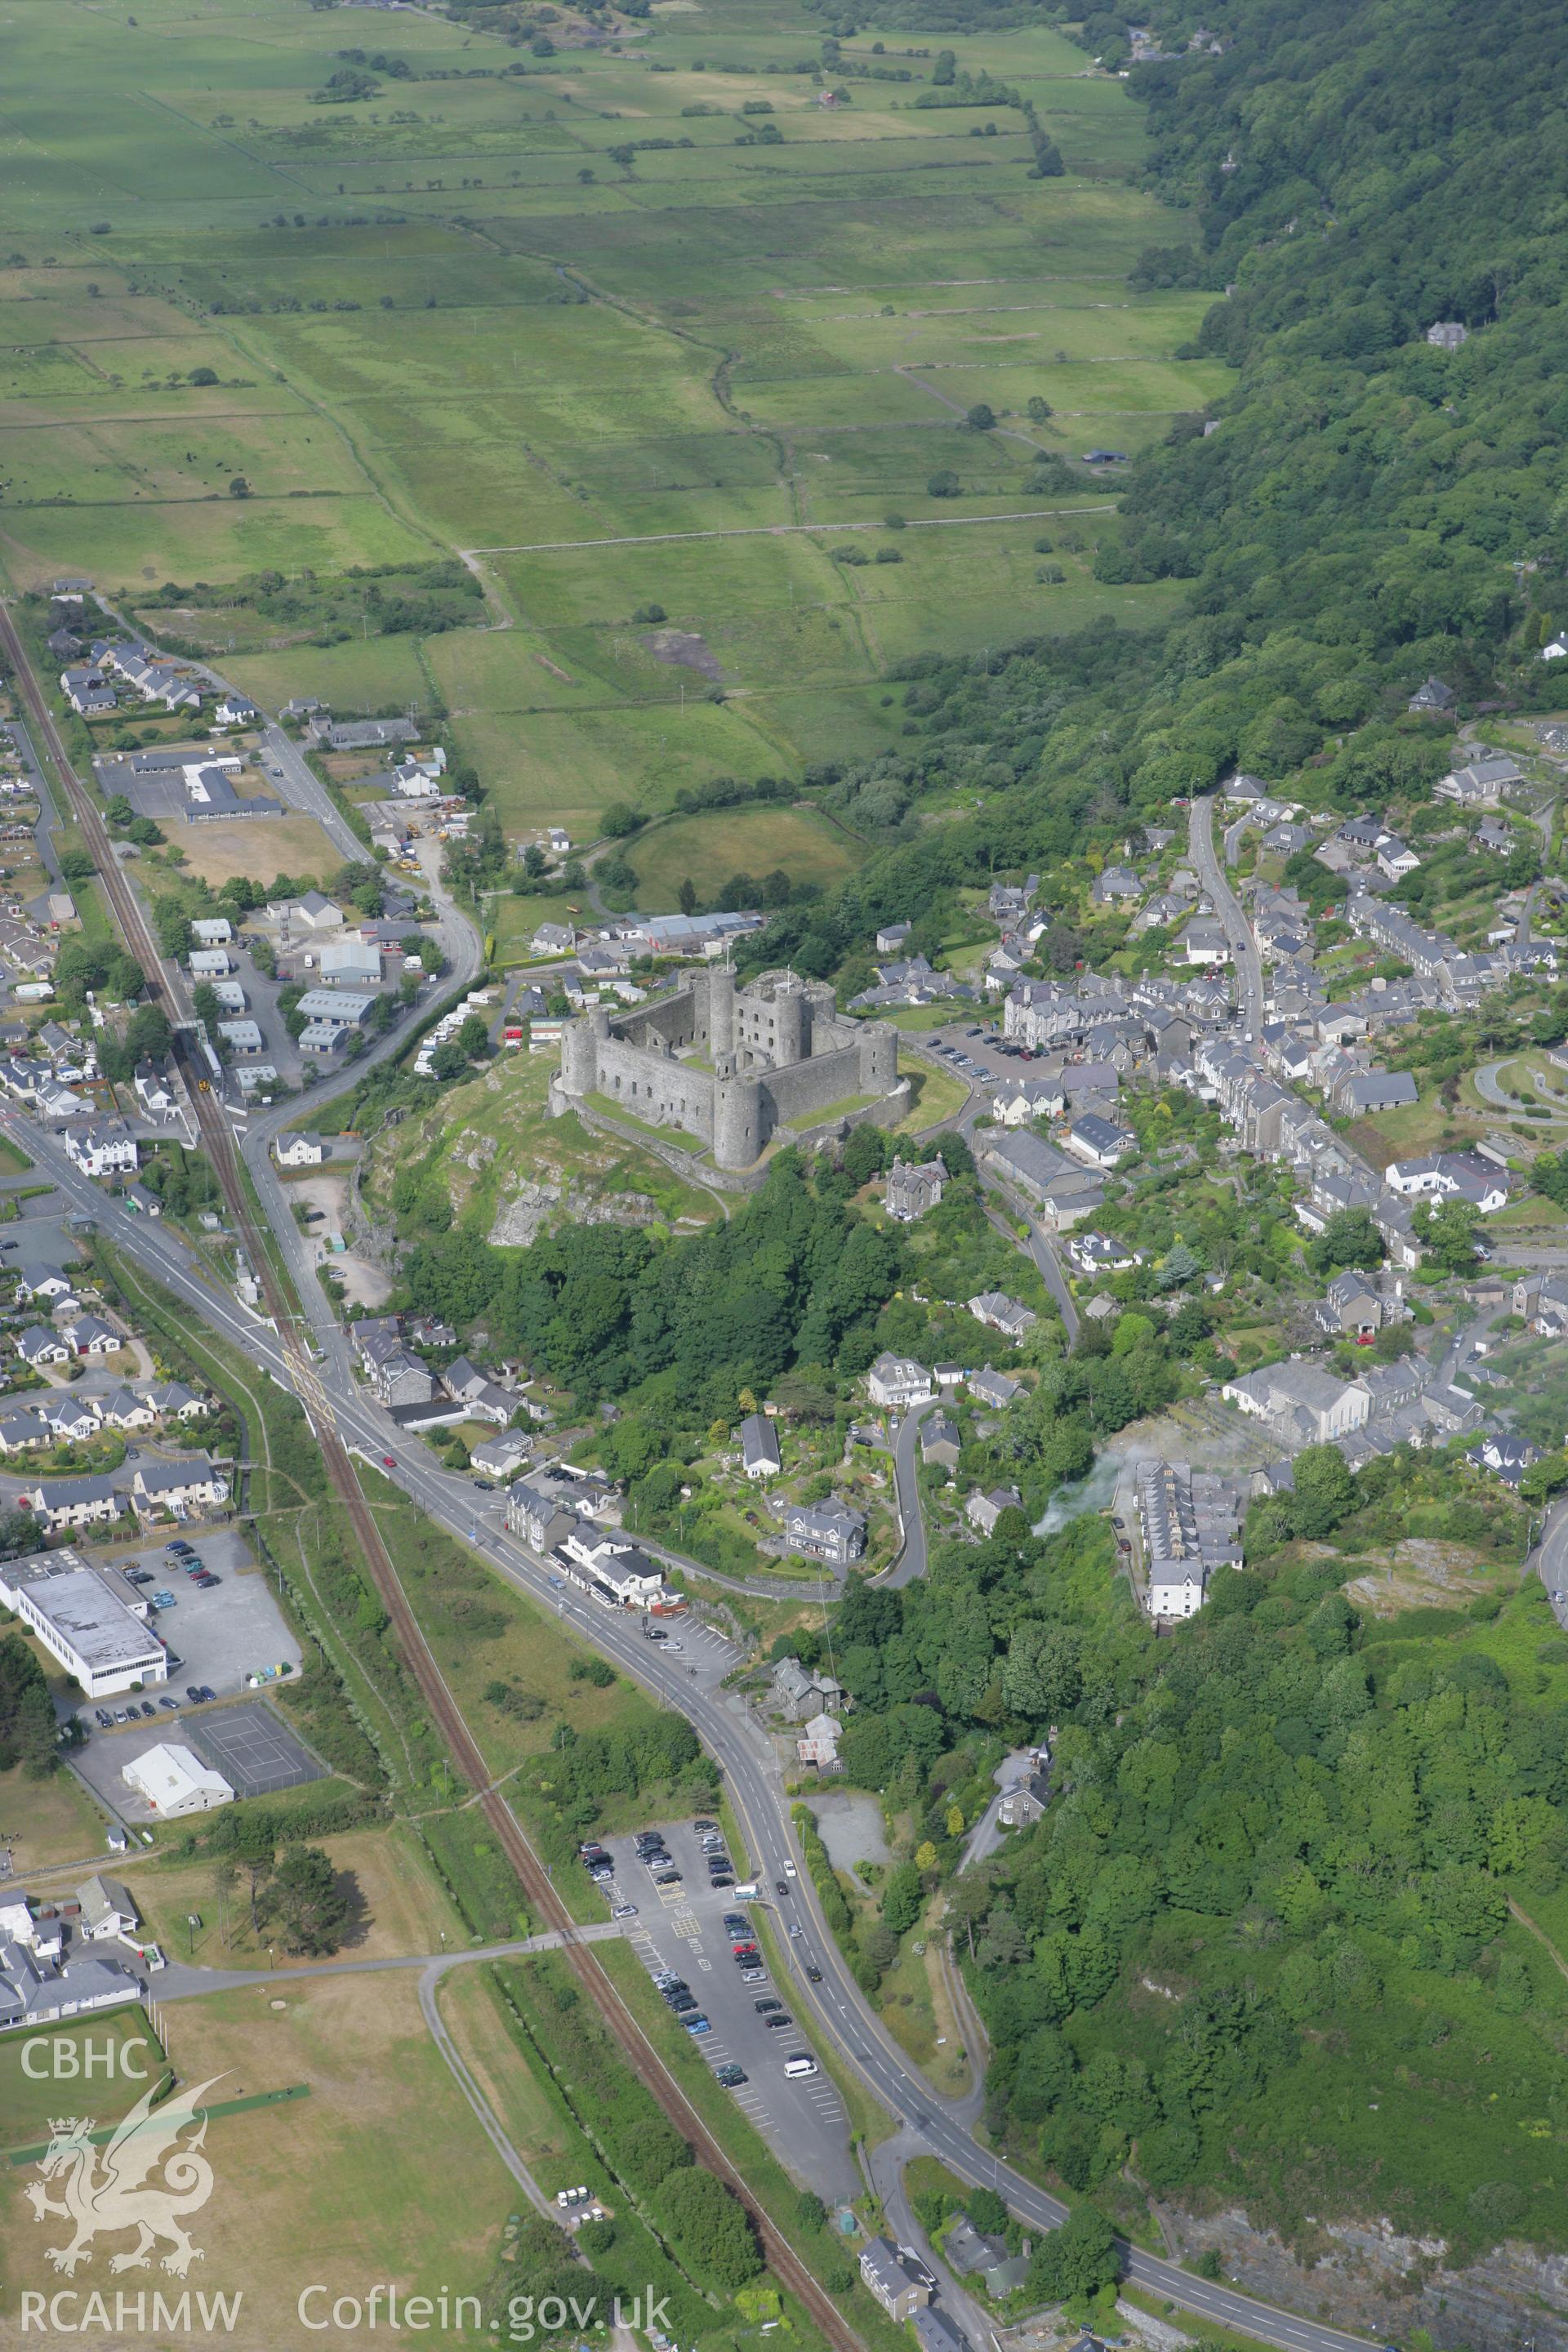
<point>1287,1937</point>
<point>1366,507</point>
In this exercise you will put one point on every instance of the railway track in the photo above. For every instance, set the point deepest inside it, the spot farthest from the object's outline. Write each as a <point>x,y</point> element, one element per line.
<point>512,1839</point>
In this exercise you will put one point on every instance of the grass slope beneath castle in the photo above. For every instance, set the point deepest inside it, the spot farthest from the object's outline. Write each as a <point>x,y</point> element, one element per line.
<point>645,329</point>
<point>487,1150</point>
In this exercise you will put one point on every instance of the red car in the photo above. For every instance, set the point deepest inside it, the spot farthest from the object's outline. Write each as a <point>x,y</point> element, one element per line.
<point>389,1462</point>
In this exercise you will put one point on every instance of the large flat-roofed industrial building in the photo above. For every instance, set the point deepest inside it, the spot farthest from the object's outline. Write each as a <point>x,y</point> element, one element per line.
<point>97,1637</point>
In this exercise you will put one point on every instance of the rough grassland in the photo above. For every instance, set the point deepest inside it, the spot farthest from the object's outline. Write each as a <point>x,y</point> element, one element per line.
<point>260,847</point>
<point>448,317</point>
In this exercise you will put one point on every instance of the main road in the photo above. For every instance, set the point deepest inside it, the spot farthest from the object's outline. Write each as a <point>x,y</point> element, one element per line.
<point>343,1416</point>
<point>841,2015</point>
<point>1207,864</point>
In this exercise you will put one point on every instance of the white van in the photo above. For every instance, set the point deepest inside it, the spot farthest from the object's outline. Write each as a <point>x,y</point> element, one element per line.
<point>797,2066</point>
<point>747,1894</point>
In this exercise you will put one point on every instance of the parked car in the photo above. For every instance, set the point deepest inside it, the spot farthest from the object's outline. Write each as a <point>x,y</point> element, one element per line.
<point>772,2023</point>
<point>192,1694</point>
<point>172,1703</point>
<point>730,2075</point>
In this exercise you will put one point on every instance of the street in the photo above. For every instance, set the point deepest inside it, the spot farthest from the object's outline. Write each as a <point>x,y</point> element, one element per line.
<point>746,1757</point>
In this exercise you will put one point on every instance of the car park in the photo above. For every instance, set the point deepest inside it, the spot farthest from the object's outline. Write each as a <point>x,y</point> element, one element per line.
<point>774,2022</point>
<point>766,2008</point>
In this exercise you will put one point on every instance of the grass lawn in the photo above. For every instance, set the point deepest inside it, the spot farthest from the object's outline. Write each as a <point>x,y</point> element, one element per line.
<point>938,1096</point>
<point>28,2105</point>
<point>382,2174</point>
<point>53,1821</point>
<point>399,1908</point>
<point>13,1161</point>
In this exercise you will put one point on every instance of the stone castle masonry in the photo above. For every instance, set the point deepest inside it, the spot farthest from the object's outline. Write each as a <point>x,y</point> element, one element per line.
<point>730,1068</point>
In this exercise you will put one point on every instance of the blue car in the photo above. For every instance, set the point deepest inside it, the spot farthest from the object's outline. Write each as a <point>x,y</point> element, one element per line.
<point>698,2025</point>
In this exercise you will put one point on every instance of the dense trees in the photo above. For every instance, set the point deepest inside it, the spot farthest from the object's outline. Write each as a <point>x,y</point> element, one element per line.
<point>27,1710</point>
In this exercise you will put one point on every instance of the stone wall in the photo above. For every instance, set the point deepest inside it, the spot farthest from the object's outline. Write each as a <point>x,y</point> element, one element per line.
<point>663,1092</point>
<point>780,1058</point>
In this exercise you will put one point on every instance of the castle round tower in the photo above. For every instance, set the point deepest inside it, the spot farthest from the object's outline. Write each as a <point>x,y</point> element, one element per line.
<point>878,1058</point>
<point>738,1136</point>
<point>579,1057</point>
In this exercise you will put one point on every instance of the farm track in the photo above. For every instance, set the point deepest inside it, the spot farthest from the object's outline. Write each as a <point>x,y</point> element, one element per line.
<point>787,530</point>
<point>629,2036</point>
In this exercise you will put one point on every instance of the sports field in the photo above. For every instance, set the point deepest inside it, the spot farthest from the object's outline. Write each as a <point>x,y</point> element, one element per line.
<point>644,327</point>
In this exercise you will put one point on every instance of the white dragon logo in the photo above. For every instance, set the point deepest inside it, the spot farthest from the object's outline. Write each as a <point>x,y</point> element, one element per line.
<point>107,2190</point>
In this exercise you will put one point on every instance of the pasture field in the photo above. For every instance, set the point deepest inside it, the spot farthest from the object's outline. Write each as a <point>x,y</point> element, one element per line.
<point>756,840</point>
<point>638,324</point>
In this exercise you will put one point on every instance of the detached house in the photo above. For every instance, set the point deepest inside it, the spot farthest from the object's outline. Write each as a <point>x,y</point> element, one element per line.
<point>912,1189</point>
<point>830,1532</point>
<point>760,1456</point>
<point>898,1381</point>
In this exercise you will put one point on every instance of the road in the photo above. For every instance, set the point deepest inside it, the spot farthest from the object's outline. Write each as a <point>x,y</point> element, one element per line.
<point>1041,1248</point>
<point>304,789</point>
<point>1228,907</point>
<point>910,1563</point>
<point>342,1417</point>
<point>292,1363</point>
<point>839,2012</point>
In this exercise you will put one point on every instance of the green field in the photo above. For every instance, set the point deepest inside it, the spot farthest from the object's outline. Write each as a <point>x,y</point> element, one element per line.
<point>472,309</point>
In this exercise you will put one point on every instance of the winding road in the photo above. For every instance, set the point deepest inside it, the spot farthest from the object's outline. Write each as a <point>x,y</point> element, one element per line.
<point>345,1417</point>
